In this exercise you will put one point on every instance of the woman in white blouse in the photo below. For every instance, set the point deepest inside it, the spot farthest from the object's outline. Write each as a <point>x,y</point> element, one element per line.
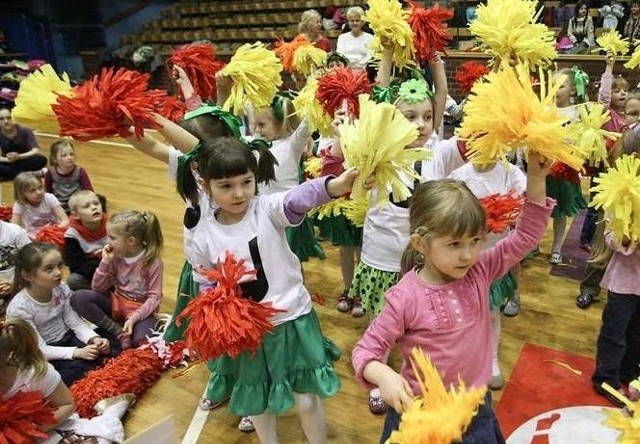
<point>354,45</point>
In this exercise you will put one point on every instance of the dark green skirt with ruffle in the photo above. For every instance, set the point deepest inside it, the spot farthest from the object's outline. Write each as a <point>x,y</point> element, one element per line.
<point>187,290</point>
<point>568,196</point>
<point>501,290</point>
<point>302,241</point>
<point>340,231</point>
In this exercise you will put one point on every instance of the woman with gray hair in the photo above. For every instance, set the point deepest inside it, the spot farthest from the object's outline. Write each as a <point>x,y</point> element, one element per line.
<point>310,27</point>
<point>354,45</point>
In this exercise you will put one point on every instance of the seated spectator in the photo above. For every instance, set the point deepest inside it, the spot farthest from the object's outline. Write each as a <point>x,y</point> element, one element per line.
<point>354,45</point>
<point>581,30</point>
<point>632,25</point>
<point>19,149</point>
<point>310,26</point>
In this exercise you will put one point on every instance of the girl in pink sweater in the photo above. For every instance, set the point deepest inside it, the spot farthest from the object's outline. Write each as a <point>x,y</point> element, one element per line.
<point>127,285</point>
<point>441,304</point>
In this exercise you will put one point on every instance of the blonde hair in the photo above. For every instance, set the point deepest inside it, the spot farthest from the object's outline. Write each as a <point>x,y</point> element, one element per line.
<point>19,347</point>
<point>55,149</point>
<point>353,11</point>
<point>288,121</point>
<point>306,18</point>
<point>440,208</point>
<point>22,183</point>
<point>619,83</point>
<point>75,198</point>
<point>143,226</point>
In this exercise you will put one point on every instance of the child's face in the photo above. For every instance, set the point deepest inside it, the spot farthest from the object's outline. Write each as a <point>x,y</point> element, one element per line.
<point>632,111</point>
<point>233,194</point>
<point>582,12</point>
<point>88,210</point>
<point>121,244</point>
<point>420,114</point>
<point>336,64</point>
<point>48,275</point>
<point>449,258</point>
<point>266,125</point>
<point>618,97</point>
<point>34,194</point>
<point>66,157</point>
<point>564,94</point>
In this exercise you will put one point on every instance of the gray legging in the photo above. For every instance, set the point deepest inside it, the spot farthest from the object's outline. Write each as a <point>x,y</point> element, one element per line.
<point>94,307</point>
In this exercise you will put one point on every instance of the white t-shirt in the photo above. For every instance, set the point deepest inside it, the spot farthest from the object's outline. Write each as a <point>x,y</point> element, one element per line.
<point>34,218</point>
<point>25,382</point>
<point>12,238</point>
<point>260,240</point>
<point>356,49</point>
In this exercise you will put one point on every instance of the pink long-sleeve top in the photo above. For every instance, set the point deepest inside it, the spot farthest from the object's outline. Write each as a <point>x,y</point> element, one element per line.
<point>133,280</point>
<point>621,275</point>
<point>616,123</point>
<point>450,322</point>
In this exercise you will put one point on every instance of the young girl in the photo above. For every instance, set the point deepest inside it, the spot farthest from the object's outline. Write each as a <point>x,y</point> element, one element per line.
<point>293,364</point>
<point>23,368</point>
<point>42,299</point>
<point>485,180</point>
<point>442,305</point>
<point>127,286</point>
<point>12,238</point>
<point>33,208</point>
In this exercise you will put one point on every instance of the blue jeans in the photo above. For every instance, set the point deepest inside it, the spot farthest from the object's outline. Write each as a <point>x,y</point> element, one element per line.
<point>484,428</point>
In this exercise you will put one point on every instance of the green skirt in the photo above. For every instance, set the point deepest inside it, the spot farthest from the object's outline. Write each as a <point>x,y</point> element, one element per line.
<point>295,358</point>
<point>502,290</point>
<point>370,284</point>
<point>302,241</point>
<point>187,290</point>
<point>568,196</point>
<point>340,231</point>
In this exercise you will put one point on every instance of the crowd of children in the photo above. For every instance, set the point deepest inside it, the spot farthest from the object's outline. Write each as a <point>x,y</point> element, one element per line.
<point>425,270</point>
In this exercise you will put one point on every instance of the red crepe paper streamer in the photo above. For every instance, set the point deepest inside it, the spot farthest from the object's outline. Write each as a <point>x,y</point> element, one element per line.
<point>430,32</point>
<point>200,64</point>
<point>340,86</point>
<point>107,105</point>
<point>221,320</point>
<point>468,74</point>
<point>6,213</point>
<point>562,171</point>
<point>502,210</point>
<point>21,417</point>
<point>171,108</point>
<point>51,234</point>
<point>132,371</point>
<point>285,51</point>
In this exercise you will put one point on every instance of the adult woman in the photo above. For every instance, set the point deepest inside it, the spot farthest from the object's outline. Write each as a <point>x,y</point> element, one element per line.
<point>580,30</point>
<point>354,45</point>
<point>310,26</point>
<point>632,25</point>
<point>19,149</point>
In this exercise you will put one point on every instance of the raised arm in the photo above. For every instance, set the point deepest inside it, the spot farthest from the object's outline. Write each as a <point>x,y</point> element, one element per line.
<point>441,90</point>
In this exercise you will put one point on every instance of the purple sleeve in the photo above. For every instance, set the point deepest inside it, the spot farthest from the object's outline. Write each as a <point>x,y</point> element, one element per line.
<point>604,93</point>
<point>154,293</point>
<point>299,200</point>
<point>85,182</point>
<point>30,139</point>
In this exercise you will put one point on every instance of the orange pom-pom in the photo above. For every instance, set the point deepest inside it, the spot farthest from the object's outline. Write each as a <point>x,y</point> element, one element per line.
<point>430,32</point>
<point>562,171</point>
<point>221,320</point>
<point>200,64</point>
<point>285,51</point>
<point>342,85</point>
<point>51,234</point>
<point>171,108</point>
<point>6,213</point>
<point>468,74</point>
<point>132,371</point>
<point>21,417</point>
<point>107,105</point>
<point>502,210</point>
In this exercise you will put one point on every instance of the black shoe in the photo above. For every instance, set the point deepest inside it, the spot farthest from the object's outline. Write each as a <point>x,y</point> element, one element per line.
<point>612,399</point>
<point>584,300</point>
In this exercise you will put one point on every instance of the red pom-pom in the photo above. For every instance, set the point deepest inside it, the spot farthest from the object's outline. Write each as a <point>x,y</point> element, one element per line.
<point>430,32</point>
<point>502,210</point>
<point>342,85</point>
<point>171,108</point>
<point>6,213</point>
<point>468,74</point>
<point>562,171</point>
<point>51,234</point>
<point>132,371</point>
<point>200,64</point>
<point>221,320</point>
<point>285,51</point>
<point>107,105</point>
<point>21,417</point>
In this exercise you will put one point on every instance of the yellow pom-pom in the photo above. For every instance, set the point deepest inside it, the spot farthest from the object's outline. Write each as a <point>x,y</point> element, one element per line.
<point>438,416</point>
<point>35,96</point>
<point>504,112</point>
<point>634,61</point>
<point>376,144</point>
<point>389,23</point>
<point>308,59</point>
<point>618,194</point>
<point>508,28</point>
<point>356,210</point>
<point>309,108</point>
<point>589,135</point>
<point>628,425</point>
<point>611,41</point>
<point>255,71</point>
<point>313,167</point>
<point>333,208</point>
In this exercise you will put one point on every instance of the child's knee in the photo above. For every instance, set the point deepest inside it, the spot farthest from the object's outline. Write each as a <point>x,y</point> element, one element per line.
<point>307,403</point>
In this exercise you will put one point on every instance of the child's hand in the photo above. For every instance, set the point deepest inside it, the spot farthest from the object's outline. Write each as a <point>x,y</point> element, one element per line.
<point>88,353</point>
<point>370,182</point>
<point>127,328</point>
<point>339,117</point>
<point>395,390</point>
<point>342,184</point>
<point>610,59</point>
<point>107,253</point>
<point>537,171</point>
<point>102,344</point>
<point>537,165</point>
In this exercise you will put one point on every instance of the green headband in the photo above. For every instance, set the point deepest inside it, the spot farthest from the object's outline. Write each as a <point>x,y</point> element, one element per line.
<point>414,91</point>
<point>276,106</point>
<point>581,80</point>
<point>230,121</point>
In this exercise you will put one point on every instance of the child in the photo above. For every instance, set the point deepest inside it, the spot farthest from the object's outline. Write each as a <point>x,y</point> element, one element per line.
<point>84,239</point>
<point>442,305</point>
<point>483,181</point>
<point>33,208</point>
<point>293,364</point>
<point>127,285</point>
<point>42,299</point>
<point>23,368</point>
<point>12,238</point>
<point>64,177</point>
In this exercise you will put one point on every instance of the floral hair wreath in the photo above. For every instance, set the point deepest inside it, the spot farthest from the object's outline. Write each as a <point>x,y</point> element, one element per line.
<point>414,91</point>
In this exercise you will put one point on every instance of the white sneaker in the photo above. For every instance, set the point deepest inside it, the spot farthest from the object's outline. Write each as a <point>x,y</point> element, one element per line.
<point>246,424</point>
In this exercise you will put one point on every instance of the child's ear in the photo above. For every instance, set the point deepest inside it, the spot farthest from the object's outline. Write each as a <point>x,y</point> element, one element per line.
<point>74,215</point>
<point>418,242</point>
<point>25,276</point>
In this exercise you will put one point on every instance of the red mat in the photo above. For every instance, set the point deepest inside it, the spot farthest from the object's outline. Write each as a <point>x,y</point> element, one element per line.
<point>537,386</point>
